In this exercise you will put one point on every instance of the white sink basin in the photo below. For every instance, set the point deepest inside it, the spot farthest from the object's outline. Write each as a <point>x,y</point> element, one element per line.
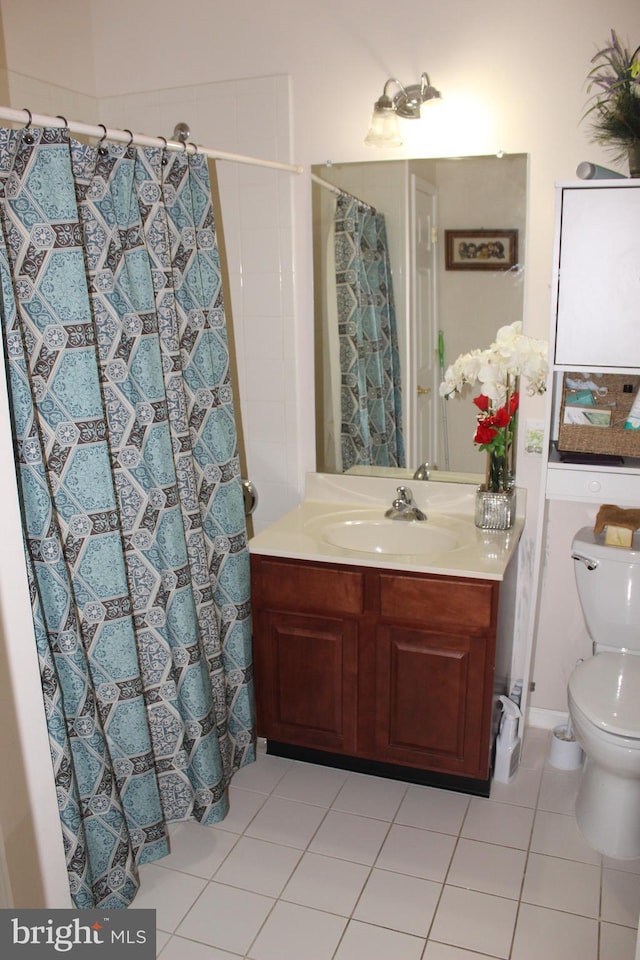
<point>390,536</point>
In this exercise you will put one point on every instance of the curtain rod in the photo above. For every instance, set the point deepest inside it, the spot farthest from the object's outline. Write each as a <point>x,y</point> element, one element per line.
<point>125,136</point>
<point>339,192</point>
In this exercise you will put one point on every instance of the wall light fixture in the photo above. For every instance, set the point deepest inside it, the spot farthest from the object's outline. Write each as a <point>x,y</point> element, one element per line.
<point>383,127</point>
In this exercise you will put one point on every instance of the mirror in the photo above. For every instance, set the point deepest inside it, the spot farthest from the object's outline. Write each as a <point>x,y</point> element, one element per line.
<point>449,297</point>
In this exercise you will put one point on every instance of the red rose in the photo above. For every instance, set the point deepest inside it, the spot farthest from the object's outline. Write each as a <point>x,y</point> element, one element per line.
<point>513,403</point>
<point>484,432</point>
<point>481,402</point>
<point>501,418</point>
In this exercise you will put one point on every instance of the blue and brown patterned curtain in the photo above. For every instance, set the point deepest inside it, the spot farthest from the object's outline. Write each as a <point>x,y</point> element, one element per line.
<point>125,441</point>
<point>371,389</point>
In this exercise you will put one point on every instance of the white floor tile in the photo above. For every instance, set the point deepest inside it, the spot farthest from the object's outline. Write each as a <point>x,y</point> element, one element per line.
<point>362,941</point>
<point>226,918</point>
<point>501,823</point>
<point>557,835</point>
<point>535,747</point>
<point>442,951</point>
<point>562,885</point>
<point>620,897</point>
<point>310,783</point>
<point>180,949</point>
<point>559,790</point>
<point>263,775</point>
<point>258,866</point>
<point>198,850</point>
<point>475,921</point>
<point>169,893</point>
<point>406,904</point>
<point>286,821</point>
<point>419,853</point>
<point>549,934</point>
<point>243,806</point>
<point>488,868</point>
<point>617,943</point>
<point>370,796</point>
<point>162,940</point>
<point>431,809</point>
<point>522,789</point>
<point>293,932</point>
<point>326,883</point>
<point>349,837</point>
<point>627,866</point>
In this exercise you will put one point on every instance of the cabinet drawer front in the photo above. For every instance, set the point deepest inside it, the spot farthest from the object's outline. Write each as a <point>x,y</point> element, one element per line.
<point>565,483</point>
<point>309,588</point>
<point>438,603</point>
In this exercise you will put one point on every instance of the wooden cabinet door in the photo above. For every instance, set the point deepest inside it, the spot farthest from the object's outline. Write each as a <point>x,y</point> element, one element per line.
<point>305,678</point>
<point>431,700</point>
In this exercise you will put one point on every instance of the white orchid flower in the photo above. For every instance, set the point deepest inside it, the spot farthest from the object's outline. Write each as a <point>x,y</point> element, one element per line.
<point>510,356</point>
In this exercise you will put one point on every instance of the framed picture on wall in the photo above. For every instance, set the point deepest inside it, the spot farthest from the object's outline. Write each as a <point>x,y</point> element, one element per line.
<point>481,249</point>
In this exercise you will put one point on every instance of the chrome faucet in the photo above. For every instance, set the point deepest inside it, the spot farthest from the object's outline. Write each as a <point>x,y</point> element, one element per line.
<point>403,507</point>
<point>423,472</point>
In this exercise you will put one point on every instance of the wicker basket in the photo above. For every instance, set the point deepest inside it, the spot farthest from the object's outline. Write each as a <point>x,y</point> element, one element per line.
<point>613,440</point>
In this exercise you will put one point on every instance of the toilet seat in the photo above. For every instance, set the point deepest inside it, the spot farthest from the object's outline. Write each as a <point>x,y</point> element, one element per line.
<point>606,689</point>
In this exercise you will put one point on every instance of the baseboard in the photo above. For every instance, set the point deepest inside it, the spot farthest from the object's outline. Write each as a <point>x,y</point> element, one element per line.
<point>547,719</point>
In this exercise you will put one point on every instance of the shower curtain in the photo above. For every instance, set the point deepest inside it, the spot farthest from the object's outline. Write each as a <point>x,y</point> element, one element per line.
<point>371,389</point>
<point>125,443</point>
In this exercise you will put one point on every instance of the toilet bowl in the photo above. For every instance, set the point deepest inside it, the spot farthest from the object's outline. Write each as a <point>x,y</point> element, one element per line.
<point>604,696</point>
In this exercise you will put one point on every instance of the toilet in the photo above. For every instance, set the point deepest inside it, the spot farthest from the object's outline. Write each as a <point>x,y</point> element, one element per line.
<point>604,696</point>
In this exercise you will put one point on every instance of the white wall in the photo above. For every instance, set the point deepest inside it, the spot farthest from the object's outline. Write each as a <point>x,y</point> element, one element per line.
<point>512,80</point>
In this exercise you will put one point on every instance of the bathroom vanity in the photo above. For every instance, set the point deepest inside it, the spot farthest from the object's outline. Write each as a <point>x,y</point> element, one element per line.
<point>380,662</point>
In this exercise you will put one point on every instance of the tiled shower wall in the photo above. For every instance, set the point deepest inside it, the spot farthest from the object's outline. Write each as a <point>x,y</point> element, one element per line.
<point>249,117</point>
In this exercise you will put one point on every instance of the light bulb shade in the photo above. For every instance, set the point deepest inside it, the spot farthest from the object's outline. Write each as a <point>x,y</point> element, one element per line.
<point>383,128</point>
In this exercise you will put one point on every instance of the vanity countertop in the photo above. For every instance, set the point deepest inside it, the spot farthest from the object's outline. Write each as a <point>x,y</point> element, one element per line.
<point>339,498</point>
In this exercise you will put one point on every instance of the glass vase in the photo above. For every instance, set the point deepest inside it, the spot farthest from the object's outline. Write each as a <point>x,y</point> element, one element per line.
<point>495,509</point>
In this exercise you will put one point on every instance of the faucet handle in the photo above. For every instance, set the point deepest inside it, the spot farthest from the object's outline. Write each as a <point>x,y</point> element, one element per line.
<point>405,495</point>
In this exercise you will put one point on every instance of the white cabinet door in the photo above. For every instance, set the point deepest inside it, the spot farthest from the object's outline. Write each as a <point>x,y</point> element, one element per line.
<point>598,320</point>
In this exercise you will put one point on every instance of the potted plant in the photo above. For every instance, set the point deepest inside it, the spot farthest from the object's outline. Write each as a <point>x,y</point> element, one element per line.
<point>498,370</point>
<point>615,110</point>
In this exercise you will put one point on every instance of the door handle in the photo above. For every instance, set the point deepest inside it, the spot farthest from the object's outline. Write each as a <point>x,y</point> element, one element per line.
<point>423,391</point>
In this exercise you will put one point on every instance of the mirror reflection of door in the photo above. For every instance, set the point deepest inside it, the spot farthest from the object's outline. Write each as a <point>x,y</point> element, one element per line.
<point>422,381</point>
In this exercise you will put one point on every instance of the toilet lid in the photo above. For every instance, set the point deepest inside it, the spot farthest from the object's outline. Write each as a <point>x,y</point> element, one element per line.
<point>607,690</point>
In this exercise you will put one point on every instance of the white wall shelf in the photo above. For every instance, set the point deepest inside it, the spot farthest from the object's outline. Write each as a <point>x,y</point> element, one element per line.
<point>594,323</point>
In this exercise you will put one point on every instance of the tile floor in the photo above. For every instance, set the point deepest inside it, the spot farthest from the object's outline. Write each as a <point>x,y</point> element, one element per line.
<point>314,863</point>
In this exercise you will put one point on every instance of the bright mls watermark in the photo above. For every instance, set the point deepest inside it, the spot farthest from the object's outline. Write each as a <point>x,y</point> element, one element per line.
<point>80,934</point>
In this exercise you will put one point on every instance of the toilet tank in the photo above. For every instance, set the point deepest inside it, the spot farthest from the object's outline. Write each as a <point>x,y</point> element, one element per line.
<point>608,581</point>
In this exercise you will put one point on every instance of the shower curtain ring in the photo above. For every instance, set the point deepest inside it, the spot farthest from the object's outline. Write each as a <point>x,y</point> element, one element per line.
<point>130,137</point>
<point>102,150</point>
<point>164,160</point>
<point>64,119</point>
<point>27,136</point>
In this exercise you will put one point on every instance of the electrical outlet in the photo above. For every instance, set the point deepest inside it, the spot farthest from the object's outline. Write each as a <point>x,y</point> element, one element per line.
<point>534,437</point>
